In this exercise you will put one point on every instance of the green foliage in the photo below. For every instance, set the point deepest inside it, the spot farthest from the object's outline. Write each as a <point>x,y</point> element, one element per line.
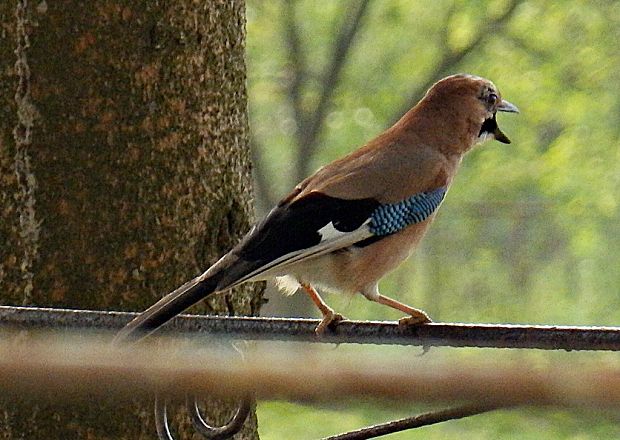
<point>278,420</point>
<point>529,231</point>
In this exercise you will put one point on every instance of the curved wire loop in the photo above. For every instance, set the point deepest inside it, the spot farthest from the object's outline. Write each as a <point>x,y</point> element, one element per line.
<point>221,432</point>
<point>209,432</point>
<point>161,420</point>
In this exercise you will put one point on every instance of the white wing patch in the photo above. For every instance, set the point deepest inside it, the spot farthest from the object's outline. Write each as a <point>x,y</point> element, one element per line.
<point>331,240</point>
<point>328,232</point>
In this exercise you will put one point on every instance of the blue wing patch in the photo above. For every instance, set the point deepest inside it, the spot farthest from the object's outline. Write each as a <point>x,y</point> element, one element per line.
<point>391,218</point>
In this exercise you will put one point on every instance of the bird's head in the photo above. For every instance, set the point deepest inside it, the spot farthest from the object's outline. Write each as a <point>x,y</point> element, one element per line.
<point>470,103</point>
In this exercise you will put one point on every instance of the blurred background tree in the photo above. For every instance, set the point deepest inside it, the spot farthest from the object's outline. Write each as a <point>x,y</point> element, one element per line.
<point>529,232</point>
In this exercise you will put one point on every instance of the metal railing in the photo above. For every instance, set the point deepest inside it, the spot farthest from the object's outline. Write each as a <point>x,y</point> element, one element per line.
<point>302,330</point>
<point>198,368</point>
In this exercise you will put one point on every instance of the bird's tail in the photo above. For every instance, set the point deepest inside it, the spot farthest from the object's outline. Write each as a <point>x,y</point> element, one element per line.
<point>171,305</point>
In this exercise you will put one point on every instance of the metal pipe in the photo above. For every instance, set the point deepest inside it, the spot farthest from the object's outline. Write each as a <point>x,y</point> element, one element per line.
<point>61,367</point>
<point>358,332</point>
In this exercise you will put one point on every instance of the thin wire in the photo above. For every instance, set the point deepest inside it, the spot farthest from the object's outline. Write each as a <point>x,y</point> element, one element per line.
<point>207,431</point>
<point>161,419</point>
<point>233,426</point>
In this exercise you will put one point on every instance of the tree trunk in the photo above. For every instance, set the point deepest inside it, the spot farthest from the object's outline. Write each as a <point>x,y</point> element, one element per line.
<point>124,171</point>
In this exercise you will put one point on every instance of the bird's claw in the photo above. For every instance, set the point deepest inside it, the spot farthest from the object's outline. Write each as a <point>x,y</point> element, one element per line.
<point>330,319</point>
<point>417,319</point>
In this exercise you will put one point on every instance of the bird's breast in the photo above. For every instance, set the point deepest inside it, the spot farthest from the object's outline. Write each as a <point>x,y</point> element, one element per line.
<point>355,269</point>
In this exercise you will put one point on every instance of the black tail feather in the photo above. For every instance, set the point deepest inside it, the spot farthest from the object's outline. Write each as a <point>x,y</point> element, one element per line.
<point>168,307</point>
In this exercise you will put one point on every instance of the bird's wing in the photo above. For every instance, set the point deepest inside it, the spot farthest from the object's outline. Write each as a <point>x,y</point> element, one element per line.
<point>297,229</point>
<point>373,192</point>
<point>318,224</point>
<point>387,172</point>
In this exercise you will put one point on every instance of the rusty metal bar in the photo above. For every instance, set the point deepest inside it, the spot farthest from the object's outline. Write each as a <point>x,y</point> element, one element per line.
<point>63,368</point>
<point>357,332</point>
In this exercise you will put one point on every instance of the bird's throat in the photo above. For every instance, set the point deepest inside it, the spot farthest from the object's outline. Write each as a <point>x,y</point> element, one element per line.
<point>490,127</point>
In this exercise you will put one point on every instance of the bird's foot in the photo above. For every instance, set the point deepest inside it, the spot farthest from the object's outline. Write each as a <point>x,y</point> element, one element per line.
<point>330,319</point>
<point>418,318</point>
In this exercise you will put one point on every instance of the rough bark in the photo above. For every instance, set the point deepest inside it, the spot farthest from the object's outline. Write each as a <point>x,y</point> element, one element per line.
<point>124,170</point>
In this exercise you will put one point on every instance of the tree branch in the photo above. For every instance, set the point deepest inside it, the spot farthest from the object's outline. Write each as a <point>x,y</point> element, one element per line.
<point>450,59</point>
<point>265,196</point>
<point>308,123</point>
<point>296,56</point>
<point>331,76</point>
<point>426,419</point>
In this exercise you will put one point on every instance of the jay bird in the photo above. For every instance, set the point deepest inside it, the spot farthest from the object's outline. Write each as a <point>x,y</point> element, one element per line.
<point>354,220</point>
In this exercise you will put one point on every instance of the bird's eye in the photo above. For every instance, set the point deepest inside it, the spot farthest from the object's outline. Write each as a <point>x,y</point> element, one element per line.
<point>492,99</point>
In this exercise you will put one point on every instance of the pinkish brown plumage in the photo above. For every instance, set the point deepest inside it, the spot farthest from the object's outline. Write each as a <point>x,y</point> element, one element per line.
<point>354,220</point>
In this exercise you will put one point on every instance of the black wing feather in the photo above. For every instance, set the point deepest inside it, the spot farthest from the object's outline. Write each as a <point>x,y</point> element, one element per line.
<point>296,226</point>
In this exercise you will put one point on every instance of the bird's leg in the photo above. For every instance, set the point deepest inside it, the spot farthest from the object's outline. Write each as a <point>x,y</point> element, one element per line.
<point>416,316</point>
<point>329,316</point>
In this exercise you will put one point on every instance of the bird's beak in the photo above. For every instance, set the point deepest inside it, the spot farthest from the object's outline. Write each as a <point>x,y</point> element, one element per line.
<point>500,136</point>
<point>490,124</point>
<point>506,106</point>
